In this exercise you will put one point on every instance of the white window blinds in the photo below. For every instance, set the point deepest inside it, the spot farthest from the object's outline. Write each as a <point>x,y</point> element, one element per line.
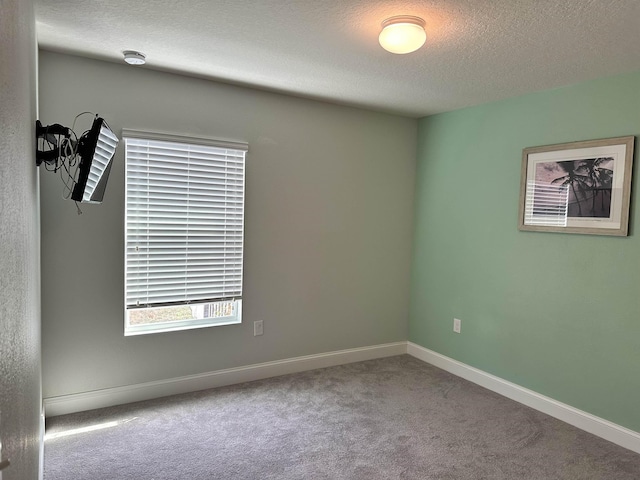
<point>184,220</point>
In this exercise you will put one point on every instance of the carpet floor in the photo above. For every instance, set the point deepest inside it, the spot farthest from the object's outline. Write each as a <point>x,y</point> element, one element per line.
<point>392,418</point>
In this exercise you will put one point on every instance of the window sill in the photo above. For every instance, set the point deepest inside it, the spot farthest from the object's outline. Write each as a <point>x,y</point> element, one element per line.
<point>148,329</point>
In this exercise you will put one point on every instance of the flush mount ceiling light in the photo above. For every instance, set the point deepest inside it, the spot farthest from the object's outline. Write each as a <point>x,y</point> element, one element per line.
<point>402,34</point>
<point>134,58</point>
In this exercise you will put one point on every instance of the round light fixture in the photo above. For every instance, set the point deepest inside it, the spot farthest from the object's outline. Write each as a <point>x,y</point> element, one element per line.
<point>134,58</point>
<point>402,34</point>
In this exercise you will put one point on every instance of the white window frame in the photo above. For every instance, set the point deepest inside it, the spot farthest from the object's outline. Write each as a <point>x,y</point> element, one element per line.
<point>236,299</point>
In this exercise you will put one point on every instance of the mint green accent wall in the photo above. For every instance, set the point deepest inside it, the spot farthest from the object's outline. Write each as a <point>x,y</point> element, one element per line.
<point>556,313</point>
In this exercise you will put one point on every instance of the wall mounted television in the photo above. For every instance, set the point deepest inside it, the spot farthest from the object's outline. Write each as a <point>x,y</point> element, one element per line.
<point>96,150</point>
<point>86,161</point>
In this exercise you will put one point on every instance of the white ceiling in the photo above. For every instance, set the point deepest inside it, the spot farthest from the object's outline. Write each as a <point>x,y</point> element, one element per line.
<point>477,50</point>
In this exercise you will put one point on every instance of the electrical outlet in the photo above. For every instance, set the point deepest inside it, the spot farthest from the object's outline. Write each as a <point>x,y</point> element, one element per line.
<point>258,328</point>
<point>457,323</point>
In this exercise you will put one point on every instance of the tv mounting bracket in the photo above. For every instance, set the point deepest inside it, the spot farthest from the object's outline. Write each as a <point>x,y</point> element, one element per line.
<point>49,134</point>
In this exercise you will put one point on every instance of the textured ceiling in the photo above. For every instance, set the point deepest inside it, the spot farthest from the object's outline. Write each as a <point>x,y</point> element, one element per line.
<point>477,50</point>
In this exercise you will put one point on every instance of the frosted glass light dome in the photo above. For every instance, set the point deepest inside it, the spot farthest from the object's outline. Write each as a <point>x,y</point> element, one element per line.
<point>402,34</point>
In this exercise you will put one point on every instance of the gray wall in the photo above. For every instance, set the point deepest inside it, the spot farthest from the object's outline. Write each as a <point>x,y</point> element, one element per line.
<point>20,398</point>
<point>328,228</point>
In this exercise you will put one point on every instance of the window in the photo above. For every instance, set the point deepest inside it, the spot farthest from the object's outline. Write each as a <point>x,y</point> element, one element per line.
<point>184,232</point>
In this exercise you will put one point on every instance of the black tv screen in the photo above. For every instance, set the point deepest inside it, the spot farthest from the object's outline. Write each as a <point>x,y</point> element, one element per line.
<point>96,149</point>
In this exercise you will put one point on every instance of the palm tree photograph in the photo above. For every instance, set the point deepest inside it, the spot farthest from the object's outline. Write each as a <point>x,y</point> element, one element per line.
<point>578,187</point>
<point>587,182</point>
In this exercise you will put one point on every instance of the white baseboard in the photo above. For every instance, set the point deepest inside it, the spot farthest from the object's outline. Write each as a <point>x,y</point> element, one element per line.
<point>585,421</point>
<point>41,445</point>
<point>146,391</point>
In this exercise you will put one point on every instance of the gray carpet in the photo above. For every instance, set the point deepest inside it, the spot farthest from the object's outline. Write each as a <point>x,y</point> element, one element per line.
<point>393,418</point>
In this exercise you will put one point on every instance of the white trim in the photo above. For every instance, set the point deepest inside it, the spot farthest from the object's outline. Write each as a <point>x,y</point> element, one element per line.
<point>151,328</point>
<point>170,137</point>
<point>585,421</point>
<point>145,391</point>
<point>41,445</point>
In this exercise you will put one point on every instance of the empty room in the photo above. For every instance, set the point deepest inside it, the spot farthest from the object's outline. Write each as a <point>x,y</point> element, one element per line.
<point>289,239</point>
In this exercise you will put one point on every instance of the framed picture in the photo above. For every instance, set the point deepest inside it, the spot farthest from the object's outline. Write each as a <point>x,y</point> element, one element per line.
<point>579,187</point>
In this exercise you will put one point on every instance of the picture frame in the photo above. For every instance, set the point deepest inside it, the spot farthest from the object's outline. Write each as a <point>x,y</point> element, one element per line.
<point>578,187</point>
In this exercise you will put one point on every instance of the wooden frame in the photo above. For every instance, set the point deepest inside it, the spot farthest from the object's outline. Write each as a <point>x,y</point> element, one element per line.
<point>579,187</point>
